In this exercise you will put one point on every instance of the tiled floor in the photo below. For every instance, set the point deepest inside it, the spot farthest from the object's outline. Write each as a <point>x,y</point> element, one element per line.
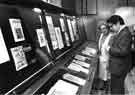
<point>95,89</point>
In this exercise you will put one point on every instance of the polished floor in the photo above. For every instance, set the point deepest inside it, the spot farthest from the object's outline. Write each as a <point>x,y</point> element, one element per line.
<point>129,85</point>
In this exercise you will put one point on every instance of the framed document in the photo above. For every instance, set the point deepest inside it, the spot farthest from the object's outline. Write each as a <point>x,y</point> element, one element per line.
<point>19,57</point>
<point>17,29</point>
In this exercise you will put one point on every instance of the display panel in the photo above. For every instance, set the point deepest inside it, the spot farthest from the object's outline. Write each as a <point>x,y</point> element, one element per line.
<point>18,49</point>
<point>59,37</point>
<point>52,32</point>
<point>70,30</point>
<point>81,29</point>
<point>74,25</point>
<point>37,31</point>
<point>63,88</point>
<point>64,30</point>
<point>42,39</point>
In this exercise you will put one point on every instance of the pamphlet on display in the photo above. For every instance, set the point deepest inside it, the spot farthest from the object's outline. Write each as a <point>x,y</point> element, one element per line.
<point>78,68</point>
<point>80,57</point>
<point>19,57</point>
<point>63,88</point>
<point>17,29</point>
<point>84,64</point>
<point>74,79</point>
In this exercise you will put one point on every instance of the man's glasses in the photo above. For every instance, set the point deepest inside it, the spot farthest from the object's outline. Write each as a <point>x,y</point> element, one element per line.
<point>110,25</point>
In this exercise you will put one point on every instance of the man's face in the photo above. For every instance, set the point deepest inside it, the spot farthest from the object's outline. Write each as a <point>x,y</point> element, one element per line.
<point>115,27</point>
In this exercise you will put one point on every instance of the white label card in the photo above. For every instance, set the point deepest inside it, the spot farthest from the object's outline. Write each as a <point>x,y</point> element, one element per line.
<point>17,29</point>
<point>19,57</point>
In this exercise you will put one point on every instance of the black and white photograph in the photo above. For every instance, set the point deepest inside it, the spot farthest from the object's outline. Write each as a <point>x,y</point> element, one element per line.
<point>67,47</point>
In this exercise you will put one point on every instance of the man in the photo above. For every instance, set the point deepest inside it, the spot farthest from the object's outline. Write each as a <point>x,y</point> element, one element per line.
<point>119,52</point>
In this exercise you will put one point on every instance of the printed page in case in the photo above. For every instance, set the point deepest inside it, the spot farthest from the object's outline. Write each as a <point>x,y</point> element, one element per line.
<point>74,79</point>
<point>76,67</point>
<point>84,64</point>
<point>63,88</point>
<point>80,57</point>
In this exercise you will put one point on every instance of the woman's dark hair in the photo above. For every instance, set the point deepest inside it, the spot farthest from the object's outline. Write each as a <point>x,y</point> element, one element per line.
<point>115,19</point>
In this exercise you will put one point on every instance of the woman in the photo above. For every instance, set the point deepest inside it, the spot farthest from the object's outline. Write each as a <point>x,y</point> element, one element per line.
<point>104,55</point>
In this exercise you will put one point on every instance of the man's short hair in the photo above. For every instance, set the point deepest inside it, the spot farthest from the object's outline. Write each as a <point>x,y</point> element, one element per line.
<point>115,19</point>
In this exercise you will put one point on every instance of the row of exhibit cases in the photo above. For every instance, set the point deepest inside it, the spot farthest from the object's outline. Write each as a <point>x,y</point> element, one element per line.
<point>74,76</point>
<point>18,36</point>
<point>30,40</point>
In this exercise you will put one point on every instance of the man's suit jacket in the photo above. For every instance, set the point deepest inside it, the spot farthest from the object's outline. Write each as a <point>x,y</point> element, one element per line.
<point>119,62</point>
